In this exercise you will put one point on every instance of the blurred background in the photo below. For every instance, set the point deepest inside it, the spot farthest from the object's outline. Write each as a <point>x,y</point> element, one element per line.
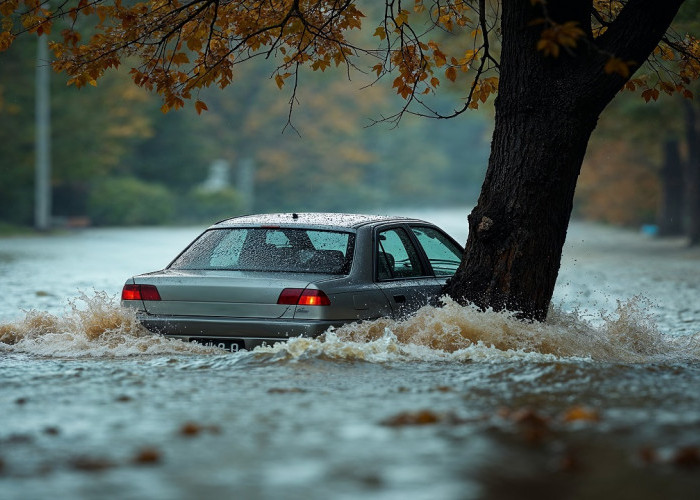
<point>116,159</point>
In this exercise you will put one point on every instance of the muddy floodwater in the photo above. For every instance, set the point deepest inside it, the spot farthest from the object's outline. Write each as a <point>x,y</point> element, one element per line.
<point>601,401</point>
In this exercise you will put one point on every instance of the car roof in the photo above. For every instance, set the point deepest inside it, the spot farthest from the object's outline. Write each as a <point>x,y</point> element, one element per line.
<point>314,219</point>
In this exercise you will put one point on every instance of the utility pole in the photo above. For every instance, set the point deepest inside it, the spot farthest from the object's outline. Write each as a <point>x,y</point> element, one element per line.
<point>42,146</point>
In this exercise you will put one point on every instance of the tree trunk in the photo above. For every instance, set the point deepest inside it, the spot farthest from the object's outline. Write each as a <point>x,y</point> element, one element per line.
<point>692,170</point>
<point>546,111</point>
<point>670,217</point>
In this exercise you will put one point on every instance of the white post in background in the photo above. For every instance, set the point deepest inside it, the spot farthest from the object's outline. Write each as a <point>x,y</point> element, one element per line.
<point>246,184</point>
<point>42,146</point>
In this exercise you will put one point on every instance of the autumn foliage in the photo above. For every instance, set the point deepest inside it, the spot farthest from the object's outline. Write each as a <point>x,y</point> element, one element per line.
<point>178,47</point>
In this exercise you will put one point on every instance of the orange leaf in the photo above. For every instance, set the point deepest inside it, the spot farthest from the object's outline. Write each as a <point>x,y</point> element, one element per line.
<point>650,94</point>
<point>200,106</point>
<point>451,73</point>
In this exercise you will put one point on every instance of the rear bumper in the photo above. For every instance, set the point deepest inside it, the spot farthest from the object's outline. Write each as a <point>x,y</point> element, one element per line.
<point>252,331</point>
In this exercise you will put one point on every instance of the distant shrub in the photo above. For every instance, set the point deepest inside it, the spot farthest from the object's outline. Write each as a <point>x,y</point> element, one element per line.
<point>127,201</point>
<point>203,205</point>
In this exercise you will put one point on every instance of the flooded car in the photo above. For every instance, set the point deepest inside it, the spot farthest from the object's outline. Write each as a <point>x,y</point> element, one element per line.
<point>259,279</point>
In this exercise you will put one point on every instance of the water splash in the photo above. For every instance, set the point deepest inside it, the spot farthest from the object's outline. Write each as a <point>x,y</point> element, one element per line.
<point>456,333</point>
<point>451,333</point>
<point>92,326</point>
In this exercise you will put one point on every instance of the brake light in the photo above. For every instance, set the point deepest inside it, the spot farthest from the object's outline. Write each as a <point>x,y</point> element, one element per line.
<point>140,292</point>
<point>314,298</point>
<point>303,297</point>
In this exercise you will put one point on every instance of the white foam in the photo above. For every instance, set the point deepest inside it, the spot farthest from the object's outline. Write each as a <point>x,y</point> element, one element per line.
<point>454,333</point>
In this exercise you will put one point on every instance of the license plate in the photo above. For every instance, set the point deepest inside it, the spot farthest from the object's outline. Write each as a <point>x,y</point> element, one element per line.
<point>231,345</point>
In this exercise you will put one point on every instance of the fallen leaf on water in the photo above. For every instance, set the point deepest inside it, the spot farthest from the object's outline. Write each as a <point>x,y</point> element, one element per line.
<point>529,417</point>
<point>147,456</point>
<point>581,414</point>
<point>281,390</point>
<point>193,429</point>
<point>91,464</point>
<point>443,388</point>
<point>569,462</point>
<point>190,429</point>
<point>422,417</point>
<point>648,455</point>
<point>688,456</point>
<point>533,426</point>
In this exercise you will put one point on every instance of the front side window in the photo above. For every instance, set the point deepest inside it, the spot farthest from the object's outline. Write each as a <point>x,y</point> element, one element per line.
<point>396,256</point>
<point>443,254</point>
<point>269,249</point>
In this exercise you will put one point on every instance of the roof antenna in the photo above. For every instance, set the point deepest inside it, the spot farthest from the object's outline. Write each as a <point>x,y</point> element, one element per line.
<point>295,216</point>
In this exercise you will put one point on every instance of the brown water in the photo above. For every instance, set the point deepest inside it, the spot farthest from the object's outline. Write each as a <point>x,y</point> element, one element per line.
<point>602,400</point>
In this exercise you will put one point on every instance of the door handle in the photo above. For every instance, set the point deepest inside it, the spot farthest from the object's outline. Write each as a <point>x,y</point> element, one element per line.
<point>400,299</point>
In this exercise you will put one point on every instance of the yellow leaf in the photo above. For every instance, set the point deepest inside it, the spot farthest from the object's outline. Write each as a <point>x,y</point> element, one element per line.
<point>6,39</point>
<point>380,32</point>
<point>401,19</point>
<point>615,65</point>
<point>548,47</point>
<point>194,43</point>
<point>7,8</point>
<point>440,58</point>
<point>279,81</point>
<point>180,58</point>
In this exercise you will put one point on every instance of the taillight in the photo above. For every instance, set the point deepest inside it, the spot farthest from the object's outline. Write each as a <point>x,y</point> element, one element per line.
<point>290,296</point>
<point>140,292</point>
<point>303,297</point>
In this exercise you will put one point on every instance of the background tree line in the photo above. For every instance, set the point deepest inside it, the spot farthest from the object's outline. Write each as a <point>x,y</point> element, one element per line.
<point>118,159</point>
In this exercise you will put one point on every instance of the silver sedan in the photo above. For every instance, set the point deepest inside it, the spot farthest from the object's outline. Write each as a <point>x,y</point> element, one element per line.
<point>259,279</point>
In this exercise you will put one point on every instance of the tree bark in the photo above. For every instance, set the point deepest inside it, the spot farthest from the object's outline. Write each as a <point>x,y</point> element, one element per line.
<point>670,217</point>
<point>692,170</point>
<point>546,111</point>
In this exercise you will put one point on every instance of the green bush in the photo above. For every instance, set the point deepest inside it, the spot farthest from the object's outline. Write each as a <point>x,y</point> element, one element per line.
<point>127,201</point>
<point>203,205</point>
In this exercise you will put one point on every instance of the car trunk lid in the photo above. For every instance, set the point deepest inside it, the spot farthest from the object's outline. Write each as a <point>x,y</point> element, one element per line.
<point>240,294</point>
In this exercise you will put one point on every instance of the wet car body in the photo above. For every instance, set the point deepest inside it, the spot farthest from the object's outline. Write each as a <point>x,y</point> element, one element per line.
<point>260,279</point>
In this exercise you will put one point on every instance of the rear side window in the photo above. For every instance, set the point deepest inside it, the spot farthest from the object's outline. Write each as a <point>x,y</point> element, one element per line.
<point>396,256</point>
<point>270,249</point>
<point>443,254</point>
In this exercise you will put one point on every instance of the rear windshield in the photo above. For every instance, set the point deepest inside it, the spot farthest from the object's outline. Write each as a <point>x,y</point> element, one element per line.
<point>269,249</point>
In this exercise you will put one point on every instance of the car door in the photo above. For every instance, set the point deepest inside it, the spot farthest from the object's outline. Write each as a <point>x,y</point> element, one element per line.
<point>401,273</point>
<point>443,254</point>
